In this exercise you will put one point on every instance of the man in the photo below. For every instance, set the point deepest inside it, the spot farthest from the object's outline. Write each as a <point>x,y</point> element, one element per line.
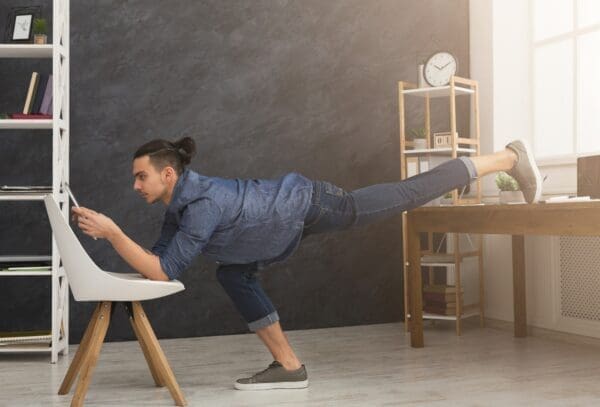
<point>246,225</point>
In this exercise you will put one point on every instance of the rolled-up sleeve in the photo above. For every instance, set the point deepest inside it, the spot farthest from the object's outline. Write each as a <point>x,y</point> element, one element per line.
<point>198,221</point>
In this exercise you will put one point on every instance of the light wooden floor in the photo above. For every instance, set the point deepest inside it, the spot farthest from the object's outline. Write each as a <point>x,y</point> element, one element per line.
<point>351,366</point>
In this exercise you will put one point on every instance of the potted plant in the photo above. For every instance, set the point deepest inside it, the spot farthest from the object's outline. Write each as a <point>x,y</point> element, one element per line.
<point>447,199</point>
<point>419,138</point>
<point>39,31</point>
<point>509,189</point>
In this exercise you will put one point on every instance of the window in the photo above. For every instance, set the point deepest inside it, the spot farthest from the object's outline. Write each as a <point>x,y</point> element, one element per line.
<point>566,76</point>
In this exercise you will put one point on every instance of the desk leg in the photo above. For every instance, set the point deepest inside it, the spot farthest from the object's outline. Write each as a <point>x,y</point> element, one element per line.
<point>519,297</point>
<point>415,298</point>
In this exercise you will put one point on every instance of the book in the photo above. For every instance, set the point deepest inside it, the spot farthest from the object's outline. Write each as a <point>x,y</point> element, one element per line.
<point>31,93</point>
<point>8,338</point>
<point>29,268</point>
<point>23,188</point>
<point>21,116</point>
<point>39,94</point>
<point>441,304</point>
<point>46,108</point>
<point>567,198</point>
<point>440,311</point>
<point>26,266</point>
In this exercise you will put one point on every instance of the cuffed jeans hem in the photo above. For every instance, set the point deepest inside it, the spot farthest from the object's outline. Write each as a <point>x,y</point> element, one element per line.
<point>470,167</point>
<point>264,321</point>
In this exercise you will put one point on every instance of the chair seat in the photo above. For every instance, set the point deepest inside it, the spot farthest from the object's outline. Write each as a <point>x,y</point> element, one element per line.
<point>128,287</point>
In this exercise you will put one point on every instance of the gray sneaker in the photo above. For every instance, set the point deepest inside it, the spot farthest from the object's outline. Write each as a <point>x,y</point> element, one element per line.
<point>275,377</point>
<point>525,171</point>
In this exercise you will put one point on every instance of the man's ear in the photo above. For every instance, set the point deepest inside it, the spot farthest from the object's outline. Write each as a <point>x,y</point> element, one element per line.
<point>168,174</point>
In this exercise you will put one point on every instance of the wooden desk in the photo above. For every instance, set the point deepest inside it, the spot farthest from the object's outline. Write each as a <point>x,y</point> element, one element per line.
<point>578,218</point>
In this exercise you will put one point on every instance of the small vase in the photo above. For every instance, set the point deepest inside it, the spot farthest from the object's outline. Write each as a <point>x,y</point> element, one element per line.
<point>511,197</point>
<point>40,39</point>
<point>420,143</point>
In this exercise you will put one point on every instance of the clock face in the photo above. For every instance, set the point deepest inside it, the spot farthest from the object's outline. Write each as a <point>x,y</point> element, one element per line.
<point>439,68</point>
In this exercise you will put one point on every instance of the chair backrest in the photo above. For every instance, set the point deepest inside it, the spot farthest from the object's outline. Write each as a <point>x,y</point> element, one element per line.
<point>82,272</point>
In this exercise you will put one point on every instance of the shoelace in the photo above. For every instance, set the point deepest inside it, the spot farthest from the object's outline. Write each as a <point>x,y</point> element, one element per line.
<point>274,364</point>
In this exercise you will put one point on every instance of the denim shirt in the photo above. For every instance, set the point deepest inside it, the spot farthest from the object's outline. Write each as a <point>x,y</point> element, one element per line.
<point>232,221</point>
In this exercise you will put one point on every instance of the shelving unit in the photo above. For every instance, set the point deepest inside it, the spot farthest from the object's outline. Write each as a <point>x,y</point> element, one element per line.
<point>58,53</point>
<point>461,146</point>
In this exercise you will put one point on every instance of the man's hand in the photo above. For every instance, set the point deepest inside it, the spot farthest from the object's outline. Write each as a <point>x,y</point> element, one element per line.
<point>94,224</point>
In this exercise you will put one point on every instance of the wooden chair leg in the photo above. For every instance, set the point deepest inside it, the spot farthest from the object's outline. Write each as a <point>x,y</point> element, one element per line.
<point>156,354</point>
<point>87,369</point>
<point>154,367</point>
<point>79,358</point>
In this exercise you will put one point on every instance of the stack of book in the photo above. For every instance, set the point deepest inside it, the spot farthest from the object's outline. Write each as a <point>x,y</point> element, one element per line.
<point>22,189</point>
<point>26,338</point>
<point>29,266</point>
<point>441,299</point>
<point>38,103</point>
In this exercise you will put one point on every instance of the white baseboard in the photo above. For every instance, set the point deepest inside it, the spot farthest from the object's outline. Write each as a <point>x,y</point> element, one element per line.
<point>544,333</point>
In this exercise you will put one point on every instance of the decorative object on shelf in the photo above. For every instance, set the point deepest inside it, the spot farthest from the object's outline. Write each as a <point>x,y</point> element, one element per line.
<point>3,116</point>
<point>439,68</point>
<point>412,166</point>
<point>39,31</point>
<point>509,189</point>
<point>419,138</point>
<point>19,25</point>
<point>442,139</point>
<point>424,164</point>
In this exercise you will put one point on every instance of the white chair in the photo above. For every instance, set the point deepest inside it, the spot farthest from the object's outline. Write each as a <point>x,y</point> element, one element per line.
<point>90,283</point>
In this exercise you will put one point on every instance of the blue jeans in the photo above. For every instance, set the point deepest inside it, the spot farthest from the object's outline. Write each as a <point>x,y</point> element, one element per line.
<point>334,209</point>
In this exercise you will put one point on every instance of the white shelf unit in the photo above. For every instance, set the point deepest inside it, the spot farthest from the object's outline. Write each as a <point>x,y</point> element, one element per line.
<point>464,146</point>
<point>58,53</point>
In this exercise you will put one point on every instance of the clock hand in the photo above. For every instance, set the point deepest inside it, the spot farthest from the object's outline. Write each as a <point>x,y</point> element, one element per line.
<point>446,65</point>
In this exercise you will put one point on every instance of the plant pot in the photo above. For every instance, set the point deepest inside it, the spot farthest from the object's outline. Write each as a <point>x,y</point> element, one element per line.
<point>447,201</point>
<point>434,202</point>
<point>511,197</point>
<point>40,38</point>
<point>420,143</point>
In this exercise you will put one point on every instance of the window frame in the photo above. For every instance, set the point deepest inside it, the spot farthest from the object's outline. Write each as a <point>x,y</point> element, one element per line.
<point>572,35</point>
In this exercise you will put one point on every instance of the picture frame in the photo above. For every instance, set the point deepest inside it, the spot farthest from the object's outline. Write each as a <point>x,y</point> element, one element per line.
<point>19,24</point>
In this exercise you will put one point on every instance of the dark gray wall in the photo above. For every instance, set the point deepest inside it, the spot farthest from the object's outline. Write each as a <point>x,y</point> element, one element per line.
<point>264,87</point>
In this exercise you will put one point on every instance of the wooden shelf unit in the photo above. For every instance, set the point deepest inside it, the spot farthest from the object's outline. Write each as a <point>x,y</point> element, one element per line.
<point>461,146</point>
